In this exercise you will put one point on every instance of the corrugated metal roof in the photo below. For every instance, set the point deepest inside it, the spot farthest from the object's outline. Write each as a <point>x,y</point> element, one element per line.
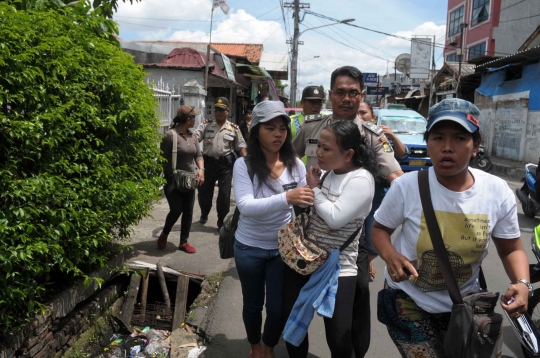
<point>466,68</point>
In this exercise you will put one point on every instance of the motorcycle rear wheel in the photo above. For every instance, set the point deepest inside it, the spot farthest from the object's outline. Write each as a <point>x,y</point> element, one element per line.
<point>484,164</point>
<point>529,210</point>
<point>534,311</point>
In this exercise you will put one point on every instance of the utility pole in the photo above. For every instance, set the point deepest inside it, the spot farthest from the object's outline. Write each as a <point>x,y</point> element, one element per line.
<point>294,59</point>
<point>458,90</point>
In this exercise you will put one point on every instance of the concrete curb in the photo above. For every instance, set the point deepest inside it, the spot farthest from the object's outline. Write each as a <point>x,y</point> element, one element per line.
<point>508,171</point>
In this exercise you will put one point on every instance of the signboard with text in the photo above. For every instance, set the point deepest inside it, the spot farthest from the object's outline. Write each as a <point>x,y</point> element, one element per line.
<point>370,79</point>
<point>376,91</point>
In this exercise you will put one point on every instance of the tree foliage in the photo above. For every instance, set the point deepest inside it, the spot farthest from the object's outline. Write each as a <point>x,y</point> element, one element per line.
<point>78,149</point>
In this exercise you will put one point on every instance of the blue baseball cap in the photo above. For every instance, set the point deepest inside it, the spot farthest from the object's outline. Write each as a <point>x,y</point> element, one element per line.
<point>457,110</point>
<point>266,111</point>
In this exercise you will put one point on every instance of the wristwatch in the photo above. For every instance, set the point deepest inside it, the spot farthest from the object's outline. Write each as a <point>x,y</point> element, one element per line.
<point>529,286</point>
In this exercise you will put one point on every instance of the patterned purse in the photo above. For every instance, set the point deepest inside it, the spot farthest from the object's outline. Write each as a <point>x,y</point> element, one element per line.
<point>183,181</point>
<point>300,252</point>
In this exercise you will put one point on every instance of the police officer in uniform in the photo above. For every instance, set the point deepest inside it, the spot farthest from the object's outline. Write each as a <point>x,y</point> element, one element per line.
<point>312,100</point>
<point>346,94</point>
<point>221,139</point>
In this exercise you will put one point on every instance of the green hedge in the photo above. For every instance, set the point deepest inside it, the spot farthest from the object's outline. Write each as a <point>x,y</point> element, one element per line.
<point>78,149</point>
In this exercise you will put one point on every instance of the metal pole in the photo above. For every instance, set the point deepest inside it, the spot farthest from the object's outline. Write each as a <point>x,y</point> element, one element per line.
<point>294,59</point>
<point>208,52</point>
<point>433,75</point>
<point>458,92</point>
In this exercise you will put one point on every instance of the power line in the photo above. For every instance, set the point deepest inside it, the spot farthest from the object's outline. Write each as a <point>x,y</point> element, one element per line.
<point>160,19</point>
<point>523,18</point>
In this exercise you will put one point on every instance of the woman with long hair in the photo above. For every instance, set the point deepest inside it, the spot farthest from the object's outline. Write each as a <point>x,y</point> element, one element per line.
<point>188,151</point>
<point>265,205</point>
<point>342,202</point>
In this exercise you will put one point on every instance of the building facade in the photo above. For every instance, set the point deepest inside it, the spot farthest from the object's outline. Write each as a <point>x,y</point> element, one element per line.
<point>491,28</point>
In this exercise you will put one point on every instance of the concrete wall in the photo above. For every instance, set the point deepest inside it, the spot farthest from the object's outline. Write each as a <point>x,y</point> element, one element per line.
<point>510,35</point>
<point>509,130</point>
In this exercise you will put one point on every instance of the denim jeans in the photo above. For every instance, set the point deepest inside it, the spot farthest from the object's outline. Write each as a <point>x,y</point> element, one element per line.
<point>261,270</point>
<point>380,192</point>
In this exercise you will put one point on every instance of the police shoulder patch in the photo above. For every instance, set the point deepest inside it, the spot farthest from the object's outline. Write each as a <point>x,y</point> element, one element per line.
<point>313,118</point>
<point>373,128</point>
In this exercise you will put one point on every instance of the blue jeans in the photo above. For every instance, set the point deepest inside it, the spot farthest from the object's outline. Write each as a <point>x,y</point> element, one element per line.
<point>380,192</point>
<point>261,270</point>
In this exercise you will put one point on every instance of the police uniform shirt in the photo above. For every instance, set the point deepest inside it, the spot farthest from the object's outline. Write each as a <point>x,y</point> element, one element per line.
<point>218,142</point>
<point>307,139</point>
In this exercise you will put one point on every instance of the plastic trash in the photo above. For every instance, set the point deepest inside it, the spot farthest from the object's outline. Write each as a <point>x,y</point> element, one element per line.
<point>154,348</point>
<point>196,352</point>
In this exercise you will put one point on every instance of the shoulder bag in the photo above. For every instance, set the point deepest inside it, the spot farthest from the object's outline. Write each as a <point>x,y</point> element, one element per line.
<point>475,329</point>
<point>183,180</point>
<point>300,252</point>
<point>230,224</point>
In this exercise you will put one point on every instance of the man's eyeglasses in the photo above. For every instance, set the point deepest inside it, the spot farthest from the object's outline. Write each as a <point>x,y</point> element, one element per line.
<point>342,93</point>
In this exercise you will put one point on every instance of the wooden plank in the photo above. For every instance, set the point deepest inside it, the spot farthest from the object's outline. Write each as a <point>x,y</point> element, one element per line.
<point>144,292</point>
<point>129,303</point>
<point>180,302</point>
<point>137,265</point>
<point>163,285</point>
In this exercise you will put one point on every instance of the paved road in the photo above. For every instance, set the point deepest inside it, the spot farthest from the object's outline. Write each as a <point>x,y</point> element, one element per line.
<point>224,320</point>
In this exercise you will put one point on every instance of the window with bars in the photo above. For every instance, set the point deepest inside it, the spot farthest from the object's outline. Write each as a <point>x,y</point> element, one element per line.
<point>452,58</point>
<point>456,18</point>
<point>478,50</point>
<point>480,11</point>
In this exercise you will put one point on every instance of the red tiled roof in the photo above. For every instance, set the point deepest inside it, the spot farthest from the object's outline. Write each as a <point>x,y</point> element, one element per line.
<point>250,51</point>
<point>187,58</point>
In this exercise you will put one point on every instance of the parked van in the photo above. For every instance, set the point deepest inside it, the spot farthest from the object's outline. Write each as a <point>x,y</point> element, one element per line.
<point>409,126</point>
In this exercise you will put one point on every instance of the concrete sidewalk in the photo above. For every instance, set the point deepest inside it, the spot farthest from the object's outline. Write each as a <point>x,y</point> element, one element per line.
<point>513,169</point>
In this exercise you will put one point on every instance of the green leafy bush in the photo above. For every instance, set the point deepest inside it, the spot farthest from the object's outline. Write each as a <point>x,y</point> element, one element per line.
<point>78,149</point>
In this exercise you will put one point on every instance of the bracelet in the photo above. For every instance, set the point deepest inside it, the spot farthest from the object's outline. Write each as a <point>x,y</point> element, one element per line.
<point>201,168</point>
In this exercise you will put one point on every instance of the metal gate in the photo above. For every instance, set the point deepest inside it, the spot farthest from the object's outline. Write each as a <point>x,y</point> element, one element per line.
<point>167,102</point>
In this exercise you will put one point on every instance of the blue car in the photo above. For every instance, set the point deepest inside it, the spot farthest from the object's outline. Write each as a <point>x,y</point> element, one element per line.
<point>409,126</point>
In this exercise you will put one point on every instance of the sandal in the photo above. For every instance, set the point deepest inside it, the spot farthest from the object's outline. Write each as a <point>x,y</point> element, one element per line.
<point>372,272</point>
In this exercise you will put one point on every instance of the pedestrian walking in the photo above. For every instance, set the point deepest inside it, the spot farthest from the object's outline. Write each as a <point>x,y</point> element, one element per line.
<point>221,140</point>
<point>417,303</point>
<point>339,210</point>
<point>346,94</point>
<point>365,112</point>
<point>188,151</point>
<point>245,125</point>
<point>265,205</point>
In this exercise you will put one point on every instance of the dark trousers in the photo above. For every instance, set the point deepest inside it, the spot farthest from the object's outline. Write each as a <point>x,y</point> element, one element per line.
<point>261,270</point>
<point>220,171</point>
<point>361,315</point>
<point>179,203</point>
<point>338,328</point>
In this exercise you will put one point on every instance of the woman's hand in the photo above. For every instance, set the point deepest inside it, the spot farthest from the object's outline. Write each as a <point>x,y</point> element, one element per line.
<point>313,177</point>
<point>388,132</point>
<point>397,265</point>
<point>300,196</point>
<point>517,296</point>
<point>200,177</point>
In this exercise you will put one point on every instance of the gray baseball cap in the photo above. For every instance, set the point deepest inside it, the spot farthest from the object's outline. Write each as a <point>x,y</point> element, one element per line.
<point>266,111</point>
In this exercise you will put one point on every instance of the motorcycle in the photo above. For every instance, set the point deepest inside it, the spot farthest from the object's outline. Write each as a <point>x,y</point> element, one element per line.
<point>527,193</point>
<point>527,325</point>
<point>481,161</point>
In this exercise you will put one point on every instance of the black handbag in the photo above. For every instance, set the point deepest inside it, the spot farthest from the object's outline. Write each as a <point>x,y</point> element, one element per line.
<point>230,224</point>
<point>475,329</point>
<point>184,181</point>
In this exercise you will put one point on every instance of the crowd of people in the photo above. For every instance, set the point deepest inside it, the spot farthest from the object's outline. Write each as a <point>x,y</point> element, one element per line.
<point>350,185</point>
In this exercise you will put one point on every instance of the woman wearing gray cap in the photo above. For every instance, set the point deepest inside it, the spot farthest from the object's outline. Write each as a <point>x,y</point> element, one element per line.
<point>188,150</point>
<point>279,182</point>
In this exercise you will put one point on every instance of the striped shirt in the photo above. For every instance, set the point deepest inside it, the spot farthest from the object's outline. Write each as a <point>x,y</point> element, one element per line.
<point>340,207</point>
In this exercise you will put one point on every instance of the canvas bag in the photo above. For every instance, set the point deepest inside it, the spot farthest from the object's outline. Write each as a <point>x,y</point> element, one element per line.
<point>475,329</point>
<point>230,224</point>
<point>300,252</point>
<point>183,180</point>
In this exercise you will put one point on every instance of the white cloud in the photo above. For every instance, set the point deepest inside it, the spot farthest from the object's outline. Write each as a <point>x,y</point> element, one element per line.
<point>166,9</point>
<point>426,29</point>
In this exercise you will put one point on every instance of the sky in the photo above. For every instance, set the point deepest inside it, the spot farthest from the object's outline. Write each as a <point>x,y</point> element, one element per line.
<point>324,49</point>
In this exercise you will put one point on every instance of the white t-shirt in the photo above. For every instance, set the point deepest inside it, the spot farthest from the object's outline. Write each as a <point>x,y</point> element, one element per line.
<point>340,207</point>
<point>264,211</point>
<point>467,221</point>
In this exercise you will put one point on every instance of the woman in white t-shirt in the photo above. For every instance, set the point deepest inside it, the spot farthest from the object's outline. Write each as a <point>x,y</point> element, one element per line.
<point>265,205</point>
<point>342,202</point>
<point>472,207</point>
